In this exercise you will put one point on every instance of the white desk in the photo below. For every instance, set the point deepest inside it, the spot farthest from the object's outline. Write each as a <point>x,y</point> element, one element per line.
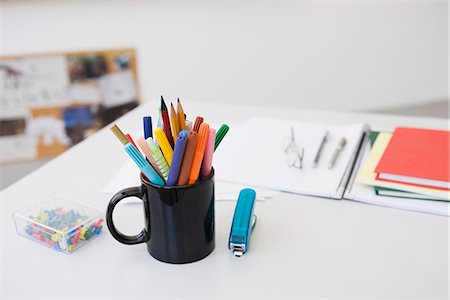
<point>302,246</point>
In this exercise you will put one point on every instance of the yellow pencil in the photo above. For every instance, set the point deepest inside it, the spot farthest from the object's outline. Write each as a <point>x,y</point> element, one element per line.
<point>174,121</point>
<point>181,118</point>
<point>164,144</point>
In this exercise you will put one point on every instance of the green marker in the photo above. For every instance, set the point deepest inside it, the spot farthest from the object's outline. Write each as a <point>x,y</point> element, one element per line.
<point>220,135</point>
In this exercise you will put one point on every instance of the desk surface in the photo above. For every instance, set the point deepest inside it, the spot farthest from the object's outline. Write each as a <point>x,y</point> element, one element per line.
<point>302,246</point>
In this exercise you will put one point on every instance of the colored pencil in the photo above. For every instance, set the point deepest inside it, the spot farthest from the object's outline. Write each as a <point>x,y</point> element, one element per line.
<point>181,115</point>
<point>174,123</point>
<point>166,122</point>
<point>164,145</point>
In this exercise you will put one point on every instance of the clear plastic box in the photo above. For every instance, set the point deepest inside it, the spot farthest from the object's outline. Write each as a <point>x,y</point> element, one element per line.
<point>60,223</point>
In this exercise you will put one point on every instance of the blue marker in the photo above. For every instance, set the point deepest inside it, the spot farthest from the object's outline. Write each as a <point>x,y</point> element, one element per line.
<point>148,130</point>
<point>243,222</point>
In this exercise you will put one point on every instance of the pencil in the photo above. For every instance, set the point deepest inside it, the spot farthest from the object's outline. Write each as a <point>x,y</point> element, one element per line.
<point>198,121</point>
<point>181,116</point>
<point>220,135</point>
<point>166,122</point>
<point>199,152</point>
<point>164,144</point>
<point>174,122</point>
<point>187,158</point>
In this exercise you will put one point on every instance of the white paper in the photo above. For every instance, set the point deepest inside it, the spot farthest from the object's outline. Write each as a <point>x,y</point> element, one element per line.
<point>253,154</point>
<point>118,88</point>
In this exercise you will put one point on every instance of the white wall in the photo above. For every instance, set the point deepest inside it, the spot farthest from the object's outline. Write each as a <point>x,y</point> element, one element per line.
<point>348,55</point>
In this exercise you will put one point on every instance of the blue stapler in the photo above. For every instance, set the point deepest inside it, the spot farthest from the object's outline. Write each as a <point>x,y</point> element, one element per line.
<point>243,222</point>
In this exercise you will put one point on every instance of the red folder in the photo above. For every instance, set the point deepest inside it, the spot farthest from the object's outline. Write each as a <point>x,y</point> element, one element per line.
<point>418,157</point>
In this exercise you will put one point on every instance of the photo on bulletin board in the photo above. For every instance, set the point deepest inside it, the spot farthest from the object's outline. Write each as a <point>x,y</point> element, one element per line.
<point>50,102</point>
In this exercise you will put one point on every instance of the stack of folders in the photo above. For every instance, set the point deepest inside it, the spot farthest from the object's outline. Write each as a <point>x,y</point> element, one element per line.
<point>410,164</point>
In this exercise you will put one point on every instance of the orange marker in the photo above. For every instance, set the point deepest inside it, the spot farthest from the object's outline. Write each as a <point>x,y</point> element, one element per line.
<point>203,134</point>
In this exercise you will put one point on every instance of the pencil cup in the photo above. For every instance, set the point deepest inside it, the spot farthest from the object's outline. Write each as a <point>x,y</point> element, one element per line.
<point>179,220</point>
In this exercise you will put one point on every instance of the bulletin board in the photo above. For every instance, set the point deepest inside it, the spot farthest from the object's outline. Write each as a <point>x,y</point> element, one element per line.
<point>50,102</point>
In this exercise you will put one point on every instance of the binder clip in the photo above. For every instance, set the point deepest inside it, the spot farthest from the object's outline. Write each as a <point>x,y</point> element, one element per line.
<point>243,222</point>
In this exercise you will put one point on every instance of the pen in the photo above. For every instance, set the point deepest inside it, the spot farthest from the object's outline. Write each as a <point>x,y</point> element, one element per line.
<point>319,151</point>
<point>208,156</point>
<point>199,152</point>
<point>177,159</point>
<point>148,130</point>
<point>337,151</point>
<point>187,159</point>
<point>198,121</point>
<point>164,144</point>
<point>174,122</point>
<point>166,122</point>
<point>159,158</point>
<point>181,116</point>
<point>145,167</point>
<point>145,148</point>
<point>220,135</point>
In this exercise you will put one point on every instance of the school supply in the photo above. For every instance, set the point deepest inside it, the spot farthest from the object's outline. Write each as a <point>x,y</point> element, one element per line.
<point>319,150</point>
<point>208,156</point>
<point>254,154</point>
<point>244,222</point>
<point>145,148</point>
<point>166,122</point>
<point>177,160</point>
<point>188,156</point>
<point>132,151</point>
<point>198,122</point>
<point>294,157</point>
<point>159,158</point>
<point>338,150</point>
<point>220,135</point>
<point>181,116</point>
<point>148,129</point>
<point>174,123</point>
<point>367,174</point>
<point>202,139</point>
<point>164,144</point>
<point>417,157</point>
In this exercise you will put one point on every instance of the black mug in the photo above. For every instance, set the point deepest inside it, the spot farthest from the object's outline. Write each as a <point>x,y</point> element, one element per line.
<point>179,220</point>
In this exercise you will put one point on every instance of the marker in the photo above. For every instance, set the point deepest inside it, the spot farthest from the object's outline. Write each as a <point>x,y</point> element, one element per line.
<point>208,156</point>
<point>220,135</point>
<point>198,121</point>
<point>199,152</point>
<point>145,148</point>
<point>148,130</point>
<point>191,142</point>
<point>159,158</point>
<point>177,159</point>
<point>143,164</point>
